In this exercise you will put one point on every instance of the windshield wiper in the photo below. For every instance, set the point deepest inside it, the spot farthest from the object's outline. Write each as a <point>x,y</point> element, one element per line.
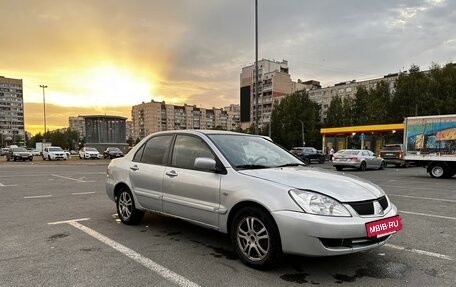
<point>292,164</point>
<point>251,166</point>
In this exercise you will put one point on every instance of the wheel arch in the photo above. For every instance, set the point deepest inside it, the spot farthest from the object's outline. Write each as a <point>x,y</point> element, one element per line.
<point>240,205</point>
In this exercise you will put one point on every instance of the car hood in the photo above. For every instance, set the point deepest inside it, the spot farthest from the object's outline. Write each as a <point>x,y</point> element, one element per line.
<point>341,187</point>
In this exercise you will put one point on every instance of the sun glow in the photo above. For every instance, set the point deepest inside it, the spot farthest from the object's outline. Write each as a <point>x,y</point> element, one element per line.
<point>110,86</point>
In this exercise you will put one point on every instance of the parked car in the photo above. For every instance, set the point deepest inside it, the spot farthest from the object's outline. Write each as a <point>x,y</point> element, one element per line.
<point>35,152</point>
<point>89,153</point>
<point>3,151</point>
<point>265,198</point>
<point>68,154</point>
<point>18,153</point>
<point>308,154</point>
<point>112,152</point>
<point>358,158</point>
<point>54,153</point>
<point>394,154</point>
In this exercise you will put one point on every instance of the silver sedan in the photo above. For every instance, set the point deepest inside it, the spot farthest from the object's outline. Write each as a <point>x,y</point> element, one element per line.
<point>357,158</point>
<point>265,198</point>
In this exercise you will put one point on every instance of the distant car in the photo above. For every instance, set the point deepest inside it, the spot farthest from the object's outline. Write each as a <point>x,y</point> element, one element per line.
<point>357,158</point>
<point>18,153</point>
<point>394,154</point>
<point>112,152</point>
<point>35,152</point>
<point>3,151</point>
<point>308,154</point>
<point>54,153</point>
<point>67,153</point>
<point>89,153</point>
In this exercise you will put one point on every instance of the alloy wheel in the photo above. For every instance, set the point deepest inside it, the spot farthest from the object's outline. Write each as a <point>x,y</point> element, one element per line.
<point>253,238</point>
<point>125,205</point>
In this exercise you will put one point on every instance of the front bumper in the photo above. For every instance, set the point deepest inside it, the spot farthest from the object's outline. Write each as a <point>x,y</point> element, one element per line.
<point>94,156</point>
<point>315,235</point>
<point>57,156</point>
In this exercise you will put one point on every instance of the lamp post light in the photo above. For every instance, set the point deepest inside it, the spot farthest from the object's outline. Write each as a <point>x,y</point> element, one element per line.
<point>44,107</point>
<point>302,133</point>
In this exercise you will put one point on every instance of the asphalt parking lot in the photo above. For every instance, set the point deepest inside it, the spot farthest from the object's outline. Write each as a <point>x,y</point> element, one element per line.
<point>58,228</point>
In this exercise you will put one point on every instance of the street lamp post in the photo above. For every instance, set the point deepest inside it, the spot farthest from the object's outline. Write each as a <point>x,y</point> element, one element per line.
<point>256,67</point>
<point>44,107</point>
<point>302,133</point>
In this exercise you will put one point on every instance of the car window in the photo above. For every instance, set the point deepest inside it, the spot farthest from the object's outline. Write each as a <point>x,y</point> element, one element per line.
<point>244,150</point>
<point>156,150</point>
<point>187,149</point>
<point>365,153</point>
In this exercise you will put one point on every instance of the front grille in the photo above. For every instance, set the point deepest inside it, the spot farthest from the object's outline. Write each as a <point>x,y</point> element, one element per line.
<point>352,242</point>
<point>367,207</point>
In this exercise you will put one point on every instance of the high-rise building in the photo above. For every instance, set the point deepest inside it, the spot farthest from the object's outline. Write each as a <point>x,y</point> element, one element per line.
<point>77,124</point>
<point>155,116</point>
<point>274,84</point>
<point>11,111</point>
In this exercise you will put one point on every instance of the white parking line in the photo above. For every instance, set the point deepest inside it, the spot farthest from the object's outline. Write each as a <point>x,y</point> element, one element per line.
<point>38,196</point>
<point>6,185</point>
<point>426,198</point>
<point>146,262</point>
<point>70,178</point>
<point>422,252</point>
<point>428,215</point>
<point>81,193</point>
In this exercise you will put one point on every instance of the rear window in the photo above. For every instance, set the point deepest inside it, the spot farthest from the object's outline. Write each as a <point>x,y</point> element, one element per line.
<point>395,147</point>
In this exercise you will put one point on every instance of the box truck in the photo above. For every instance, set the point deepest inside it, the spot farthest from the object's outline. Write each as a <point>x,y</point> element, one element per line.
<point>430,142</point>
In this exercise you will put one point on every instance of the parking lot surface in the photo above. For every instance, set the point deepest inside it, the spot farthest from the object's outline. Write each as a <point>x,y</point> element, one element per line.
<point>58,228</point>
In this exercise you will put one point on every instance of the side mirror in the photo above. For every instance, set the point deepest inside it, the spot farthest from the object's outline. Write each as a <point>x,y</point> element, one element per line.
<point>205,163</point>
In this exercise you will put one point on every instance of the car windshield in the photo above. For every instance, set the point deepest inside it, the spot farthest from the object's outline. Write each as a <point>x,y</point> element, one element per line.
<point>250,152</point>
<point>19,149</point>
<point>113,149</point>
<point>91,149</point>
<point>55,149</point>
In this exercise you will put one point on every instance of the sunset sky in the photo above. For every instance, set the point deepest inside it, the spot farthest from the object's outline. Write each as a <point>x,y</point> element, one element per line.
<point>102,57</point>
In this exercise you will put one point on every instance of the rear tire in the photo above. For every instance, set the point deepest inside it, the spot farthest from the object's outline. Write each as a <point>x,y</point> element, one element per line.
<point>256,238</point>
<point>126,209</point>
<point>306,160</point>
<point>363,166</point>
<point>438,170</point>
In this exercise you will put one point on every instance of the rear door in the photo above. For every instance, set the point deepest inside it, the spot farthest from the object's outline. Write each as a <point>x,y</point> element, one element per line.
<point>147,169</point>
<point>187,192</point>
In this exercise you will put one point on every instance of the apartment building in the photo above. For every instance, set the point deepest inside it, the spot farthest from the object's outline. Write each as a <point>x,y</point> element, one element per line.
<point>324,96</point>
<point>11,110</point>
<point>156,116</point>
<point>274,84</point>
<point>77,124</point>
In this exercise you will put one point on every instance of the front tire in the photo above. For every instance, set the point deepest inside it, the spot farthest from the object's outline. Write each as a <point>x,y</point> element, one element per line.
<point>382,165</point>
<point>255,238</point>
<point>339,168</point>
<point>126,209</point>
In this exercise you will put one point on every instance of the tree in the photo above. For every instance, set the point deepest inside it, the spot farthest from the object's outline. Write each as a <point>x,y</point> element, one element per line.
<point>286,128</point>
<point>335,113</point>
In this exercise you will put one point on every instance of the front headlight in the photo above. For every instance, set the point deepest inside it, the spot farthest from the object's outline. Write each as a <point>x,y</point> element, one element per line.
<point>315,203</point>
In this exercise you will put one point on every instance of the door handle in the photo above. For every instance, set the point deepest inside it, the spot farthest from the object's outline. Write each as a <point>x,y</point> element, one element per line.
<point>171,173</point>
<point>134,168</point>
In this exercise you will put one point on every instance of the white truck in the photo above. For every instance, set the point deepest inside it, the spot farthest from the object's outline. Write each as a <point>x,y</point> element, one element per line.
<point>430,142</point>
<point>40,146</point>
